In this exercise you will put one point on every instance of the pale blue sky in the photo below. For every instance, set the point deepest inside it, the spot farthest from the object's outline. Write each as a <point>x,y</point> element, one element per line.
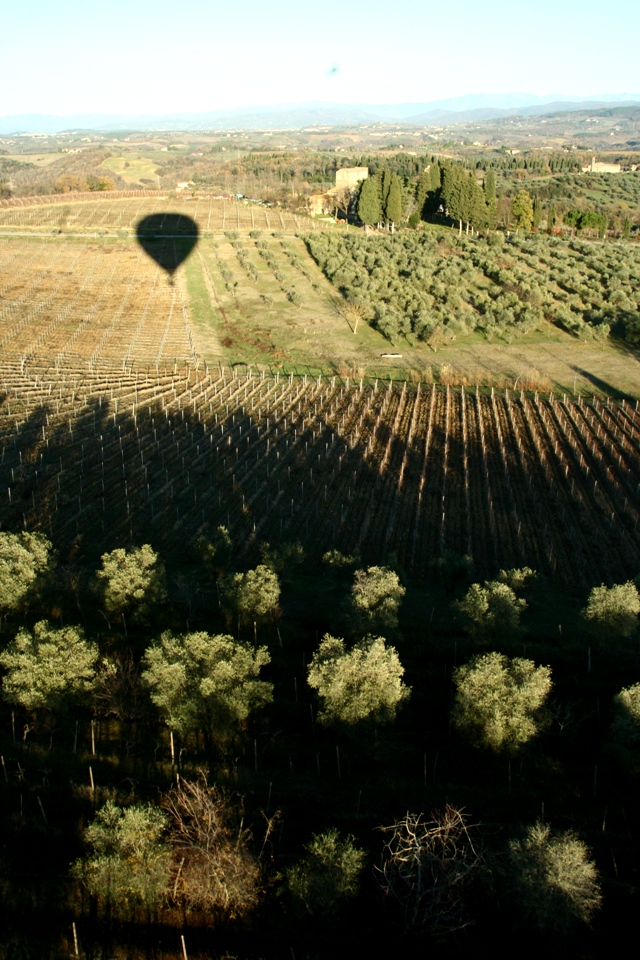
<point>156,56</point>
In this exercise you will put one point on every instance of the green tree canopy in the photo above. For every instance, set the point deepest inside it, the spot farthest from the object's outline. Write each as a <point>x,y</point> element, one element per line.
<point>328,874</point>
<point>128,864</point>
<point>132,581</point>
<point>613,611</point>
<point>369,210</point>
<point>553,880</point>
<point>363,683</point>
<point>376,595</point>
<point>463,197</point>
<point>393,204</point>
<point>254,595</point>
<point>522,210</point>
<point>626,722</point>
<point>216,552</point>
<point>48,667</point>
<point>204,682</point>
<point>23,558</point>
<point>499,701</point>
<point>490,186</point>
<point>492,609</point>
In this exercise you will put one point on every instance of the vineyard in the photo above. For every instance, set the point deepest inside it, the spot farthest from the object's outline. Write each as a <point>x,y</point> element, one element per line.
<point>94,301</point>
<point>105,459</point>
<point>107,214</point>
<point>237,298</point>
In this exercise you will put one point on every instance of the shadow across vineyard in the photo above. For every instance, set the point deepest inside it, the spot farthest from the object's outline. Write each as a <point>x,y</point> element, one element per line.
<point>388,469</point>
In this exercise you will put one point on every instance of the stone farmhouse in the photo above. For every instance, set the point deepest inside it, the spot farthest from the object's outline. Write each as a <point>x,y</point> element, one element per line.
<point>347,178</point>
<point>597,167</point>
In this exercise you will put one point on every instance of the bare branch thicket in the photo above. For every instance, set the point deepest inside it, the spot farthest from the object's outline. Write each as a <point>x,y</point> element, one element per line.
<point>118,691</point>
<point>424,867</point>
<point>214,868</point>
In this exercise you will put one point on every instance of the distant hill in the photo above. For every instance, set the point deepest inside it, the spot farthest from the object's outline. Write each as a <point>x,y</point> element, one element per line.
<point>294,116</point>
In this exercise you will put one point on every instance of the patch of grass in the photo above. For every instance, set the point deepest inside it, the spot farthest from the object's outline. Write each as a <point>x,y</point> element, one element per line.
<point>132,170</point>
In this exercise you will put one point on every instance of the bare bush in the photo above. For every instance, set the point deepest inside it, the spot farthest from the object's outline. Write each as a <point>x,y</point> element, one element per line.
<point>214,869</point>
<point>425,866</point>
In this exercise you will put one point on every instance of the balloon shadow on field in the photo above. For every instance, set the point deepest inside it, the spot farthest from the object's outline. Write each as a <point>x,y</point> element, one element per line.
<point>168,238</point>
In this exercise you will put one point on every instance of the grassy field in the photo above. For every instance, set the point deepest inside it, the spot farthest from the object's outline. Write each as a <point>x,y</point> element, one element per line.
<point>133,170</point>
<point>38,159</point>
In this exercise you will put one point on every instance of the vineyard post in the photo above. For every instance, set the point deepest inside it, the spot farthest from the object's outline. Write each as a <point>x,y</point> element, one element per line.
<point>75,941</point>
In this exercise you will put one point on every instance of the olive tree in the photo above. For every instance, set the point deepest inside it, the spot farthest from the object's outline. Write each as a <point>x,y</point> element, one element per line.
<point>23,558</point>
<point>376,595</point>
<point>328,874</point>
<point>203,682</point>
<point>499,701</point>
<point>491,609</point>
<point>48,667</point>
<point>129,861</point>
<point>363,683</point>
<point>613,611</point>
<point>132,581</point>
<point>254,595</point>
<point>626,721</point>
<point>216,552</point>
<point>552,878</point>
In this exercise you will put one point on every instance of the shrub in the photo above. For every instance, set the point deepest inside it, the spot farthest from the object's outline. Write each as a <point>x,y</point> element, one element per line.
<point>328,874</point>
<point>554,882</point>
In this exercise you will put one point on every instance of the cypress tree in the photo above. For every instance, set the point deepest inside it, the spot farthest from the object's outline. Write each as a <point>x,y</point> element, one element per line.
<point>490,186</point>
<point>369,203</point>
<point>422,191</point>
<point>385,187</point>
<point>393,206</point>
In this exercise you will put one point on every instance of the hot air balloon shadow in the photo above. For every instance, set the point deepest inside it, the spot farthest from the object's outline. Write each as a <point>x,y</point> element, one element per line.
<point>168,238</point>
